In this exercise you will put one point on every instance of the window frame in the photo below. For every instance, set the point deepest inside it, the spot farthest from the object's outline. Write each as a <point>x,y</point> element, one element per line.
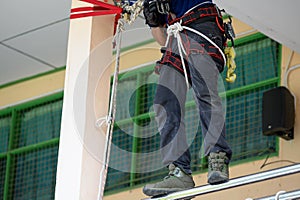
<point>12,150</point>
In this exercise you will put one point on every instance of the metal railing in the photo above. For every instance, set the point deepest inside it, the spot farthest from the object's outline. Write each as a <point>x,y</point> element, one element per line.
<point>236,182</point>
<point>282,195</point>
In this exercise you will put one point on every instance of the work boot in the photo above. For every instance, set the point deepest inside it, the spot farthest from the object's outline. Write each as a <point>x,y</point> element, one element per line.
<point>176,180</point>
<point>217,168</point>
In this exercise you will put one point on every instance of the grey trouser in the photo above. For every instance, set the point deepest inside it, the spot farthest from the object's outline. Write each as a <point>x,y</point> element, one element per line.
<point>169,106</point>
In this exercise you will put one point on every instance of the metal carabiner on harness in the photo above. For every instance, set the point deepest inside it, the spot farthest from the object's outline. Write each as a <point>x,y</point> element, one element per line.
<point>229,32</point>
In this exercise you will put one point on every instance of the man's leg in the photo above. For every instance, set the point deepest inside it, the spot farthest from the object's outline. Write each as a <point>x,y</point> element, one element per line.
<point>204,75</point>
<point>169,108</point>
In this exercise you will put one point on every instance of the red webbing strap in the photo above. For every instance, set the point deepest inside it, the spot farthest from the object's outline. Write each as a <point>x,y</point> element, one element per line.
<point>100,8</point>
<point>91,14</point>
<point>102,4</point>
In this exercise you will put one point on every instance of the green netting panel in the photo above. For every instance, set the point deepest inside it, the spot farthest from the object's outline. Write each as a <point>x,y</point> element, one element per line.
<point>120,164</point>
<point>148,145</point>
<point>126,98</point>
<point>2,175</point>
<point>257,143</point>
<point>256,61</point>
<point>28,161</point>
<point>117,180</point>
<point>39,123</point>
<point>243,124</point>
<point>5,122</point>
<point>236,122</point>
<point>33,174</point>
<point>147,91</point>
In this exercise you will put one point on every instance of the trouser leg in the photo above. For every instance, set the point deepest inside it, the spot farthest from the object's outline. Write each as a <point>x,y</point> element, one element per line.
<point>204,76</point>
<point>169,107</point>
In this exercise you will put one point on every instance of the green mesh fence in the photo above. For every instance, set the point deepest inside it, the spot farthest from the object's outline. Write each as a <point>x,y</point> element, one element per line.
<point>29,135</point>
<point>257,62</point>
<point>244,124</point>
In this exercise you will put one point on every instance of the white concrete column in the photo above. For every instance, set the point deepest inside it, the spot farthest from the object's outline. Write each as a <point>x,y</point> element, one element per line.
<point>86,98</point>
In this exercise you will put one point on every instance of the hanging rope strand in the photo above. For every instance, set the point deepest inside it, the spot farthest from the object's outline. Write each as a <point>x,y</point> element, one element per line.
<point>175,30</point>
<point>110,119</point>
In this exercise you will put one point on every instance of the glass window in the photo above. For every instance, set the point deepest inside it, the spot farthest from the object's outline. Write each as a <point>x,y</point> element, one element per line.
<point>34,174</point>
<point>38,124</point>
<point>28,163</point>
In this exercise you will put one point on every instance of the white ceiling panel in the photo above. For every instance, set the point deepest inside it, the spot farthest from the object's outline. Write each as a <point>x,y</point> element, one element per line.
<point>277,19</point>
<point>19,16</point>
<point>48,44</point>
<point>33,36</point>
<point>15,66</point>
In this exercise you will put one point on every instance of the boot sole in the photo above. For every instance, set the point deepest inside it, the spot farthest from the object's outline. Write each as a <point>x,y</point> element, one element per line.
<point>160,191</point>
<point>217,178</point>
<point>166,194</point>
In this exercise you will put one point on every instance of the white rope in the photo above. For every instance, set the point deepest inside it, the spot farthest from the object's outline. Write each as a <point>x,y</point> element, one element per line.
<point>175,30</point>
<point>112,110</point>
<point>285,81</point>
<point>102,120</point>
<point>289,61</point>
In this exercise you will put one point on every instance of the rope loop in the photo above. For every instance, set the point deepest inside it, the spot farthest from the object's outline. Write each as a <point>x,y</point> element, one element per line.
<point>102,120</point>
<point>174,29</point>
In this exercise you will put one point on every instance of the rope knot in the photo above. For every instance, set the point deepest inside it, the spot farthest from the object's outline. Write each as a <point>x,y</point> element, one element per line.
<point>107,119</point>
<point>174,29</point>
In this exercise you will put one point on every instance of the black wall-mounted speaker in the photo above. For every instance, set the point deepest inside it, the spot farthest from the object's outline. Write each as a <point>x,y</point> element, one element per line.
<point>278,113</point>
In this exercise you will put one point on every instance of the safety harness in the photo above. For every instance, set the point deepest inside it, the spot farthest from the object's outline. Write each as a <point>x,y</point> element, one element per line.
<point>201,14</point>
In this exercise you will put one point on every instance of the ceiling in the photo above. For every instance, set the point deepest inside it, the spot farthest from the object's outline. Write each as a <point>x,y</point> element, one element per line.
<point>276,18</point>
<point>34,34</point>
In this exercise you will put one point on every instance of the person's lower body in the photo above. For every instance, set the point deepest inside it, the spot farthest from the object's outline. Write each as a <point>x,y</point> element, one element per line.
<point>170,110</point>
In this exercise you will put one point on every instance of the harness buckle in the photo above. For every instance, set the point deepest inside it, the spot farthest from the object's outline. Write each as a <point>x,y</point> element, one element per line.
<point>228,28</point>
